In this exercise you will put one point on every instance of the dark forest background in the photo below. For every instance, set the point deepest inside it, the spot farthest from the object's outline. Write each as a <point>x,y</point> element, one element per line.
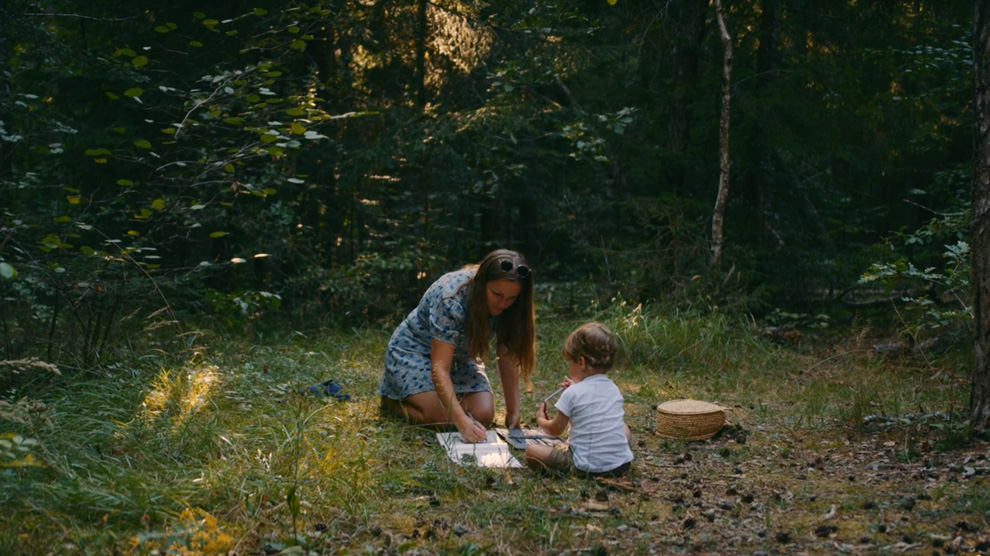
<point>181,165</point>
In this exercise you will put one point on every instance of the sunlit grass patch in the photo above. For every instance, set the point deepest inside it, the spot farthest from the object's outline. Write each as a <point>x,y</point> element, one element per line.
<point>193,532</point>
<point>177,394</point>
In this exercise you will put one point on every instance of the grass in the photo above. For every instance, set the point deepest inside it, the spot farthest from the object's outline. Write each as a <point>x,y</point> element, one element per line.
<point>216,454</point>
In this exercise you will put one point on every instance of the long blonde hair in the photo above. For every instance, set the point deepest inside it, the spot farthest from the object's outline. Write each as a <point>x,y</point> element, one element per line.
<point>516,326</point>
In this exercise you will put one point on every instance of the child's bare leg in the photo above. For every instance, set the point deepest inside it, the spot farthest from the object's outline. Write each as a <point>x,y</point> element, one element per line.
<point>537,456</point>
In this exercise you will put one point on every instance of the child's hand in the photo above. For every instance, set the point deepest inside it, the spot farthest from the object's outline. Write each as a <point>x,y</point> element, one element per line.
<point>542,416</point>
<point>566,382</point>
<point>554,426</point>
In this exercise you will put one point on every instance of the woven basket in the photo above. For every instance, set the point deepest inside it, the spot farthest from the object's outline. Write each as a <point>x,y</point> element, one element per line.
<point>689,419</point>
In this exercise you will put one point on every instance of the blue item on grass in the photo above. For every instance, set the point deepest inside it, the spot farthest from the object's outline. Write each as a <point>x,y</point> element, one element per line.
<point>328,389</point>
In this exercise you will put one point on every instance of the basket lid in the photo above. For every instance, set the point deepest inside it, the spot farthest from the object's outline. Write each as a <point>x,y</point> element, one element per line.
<point>688,407</point>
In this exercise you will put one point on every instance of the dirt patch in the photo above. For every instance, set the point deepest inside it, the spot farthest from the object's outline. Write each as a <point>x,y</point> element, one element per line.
<point>877,486</point>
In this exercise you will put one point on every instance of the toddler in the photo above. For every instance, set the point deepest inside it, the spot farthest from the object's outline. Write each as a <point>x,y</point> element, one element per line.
<point>592,405</point>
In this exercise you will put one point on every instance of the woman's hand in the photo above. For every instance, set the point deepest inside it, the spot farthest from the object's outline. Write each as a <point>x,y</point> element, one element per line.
<point>470,429</point>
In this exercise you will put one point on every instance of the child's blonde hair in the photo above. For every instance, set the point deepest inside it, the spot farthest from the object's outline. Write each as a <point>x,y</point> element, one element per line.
<point>594,342</point>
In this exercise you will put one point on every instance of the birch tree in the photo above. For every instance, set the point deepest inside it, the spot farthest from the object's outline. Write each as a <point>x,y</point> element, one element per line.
<point>723,140</point>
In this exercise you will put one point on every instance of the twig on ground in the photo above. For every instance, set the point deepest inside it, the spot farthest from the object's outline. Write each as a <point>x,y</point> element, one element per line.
<point>617,484</point>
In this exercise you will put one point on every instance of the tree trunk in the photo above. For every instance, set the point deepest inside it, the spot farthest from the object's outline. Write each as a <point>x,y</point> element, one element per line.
<point>723,138</point>
<point>422,36</point>
<point>979,401</point>
<point>690,27</point>
<point>688,18</point>
<point>6,147</point>
<point>754,161</point>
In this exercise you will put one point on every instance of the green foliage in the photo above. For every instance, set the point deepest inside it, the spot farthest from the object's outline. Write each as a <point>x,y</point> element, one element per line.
<point>16,450</point>
<point>193,532</point>
<point>936,297</point>
<point>7,271</point>
<point>177,183</point>
<point>236,309</point>
<point>79,310</point>
<point>958,433</point>
<point>785,319</point>
<point>349,155</point>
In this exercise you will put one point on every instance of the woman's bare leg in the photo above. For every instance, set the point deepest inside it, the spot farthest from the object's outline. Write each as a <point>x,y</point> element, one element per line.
<point>425,409</point>
<point>422,409</point>
<point>481,405</point>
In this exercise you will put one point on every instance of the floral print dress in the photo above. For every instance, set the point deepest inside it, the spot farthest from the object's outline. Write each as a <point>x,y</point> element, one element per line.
<point>440,315</point>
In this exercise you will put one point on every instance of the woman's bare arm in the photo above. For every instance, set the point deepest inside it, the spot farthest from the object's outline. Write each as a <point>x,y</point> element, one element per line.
<point>441,362</point>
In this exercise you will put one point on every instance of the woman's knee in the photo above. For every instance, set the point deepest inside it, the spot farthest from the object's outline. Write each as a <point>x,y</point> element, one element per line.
<point>481,405</point>
<point>420,409</point>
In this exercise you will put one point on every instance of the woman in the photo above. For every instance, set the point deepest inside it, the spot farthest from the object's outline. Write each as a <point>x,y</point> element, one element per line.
<point>434,370</point>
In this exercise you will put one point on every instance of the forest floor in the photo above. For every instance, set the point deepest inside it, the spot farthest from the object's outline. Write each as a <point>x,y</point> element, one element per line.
<point>778,478</point>
<point>760,486</point>
<point>822,452</point>
<point>772,489</point>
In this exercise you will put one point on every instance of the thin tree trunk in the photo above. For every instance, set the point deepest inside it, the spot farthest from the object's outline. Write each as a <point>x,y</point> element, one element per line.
<point>754,180</point>
<point>6,148</point>
<point>421,44</point>
<point>723,139</point>
<point>979,401</point>
<point>687,18</point>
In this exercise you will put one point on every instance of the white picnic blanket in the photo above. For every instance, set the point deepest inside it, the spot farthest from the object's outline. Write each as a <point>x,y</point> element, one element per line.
<point>491,452</point>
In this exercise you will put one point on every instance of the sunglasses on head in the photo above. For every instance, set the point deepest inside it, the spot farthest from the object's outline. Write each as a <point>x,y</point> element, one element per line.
<point>506,266</point>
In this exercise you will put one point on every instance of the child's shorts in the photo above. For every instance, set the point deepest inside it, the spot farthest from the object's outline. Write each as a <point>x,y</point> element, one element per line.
<point>560,459</point>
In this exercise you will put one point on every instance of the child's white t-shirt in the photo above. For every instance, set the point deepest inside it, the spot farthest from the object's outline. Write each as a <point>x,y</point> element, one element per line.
<point>597,440</point>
